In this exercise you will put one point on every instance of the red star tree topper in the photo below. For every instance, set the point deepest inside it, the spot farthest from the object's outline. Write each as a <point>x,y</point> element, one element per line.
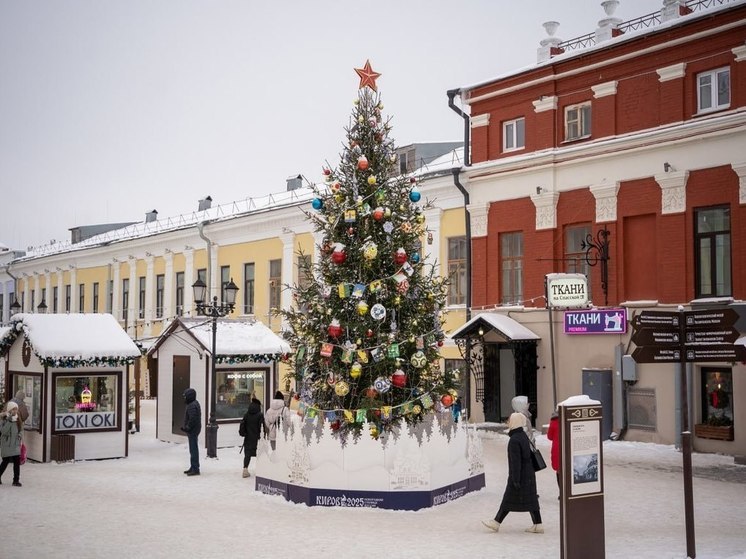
<point>367,76</point>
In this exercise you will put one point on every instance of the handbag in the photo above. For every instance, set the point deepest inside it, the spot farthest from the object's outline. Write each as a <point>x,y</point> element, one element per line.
<point>537,460</point>
<point>23,453</point>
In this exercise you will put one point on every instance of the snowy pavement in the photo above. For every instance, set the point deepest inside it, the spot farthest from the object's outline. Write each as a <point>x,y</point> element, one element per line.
<point>144,506</point>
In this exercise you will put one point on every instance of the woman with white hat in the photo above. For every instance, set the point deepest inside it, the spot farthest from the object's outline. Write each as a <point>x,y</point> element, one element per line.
<point>10,441</point>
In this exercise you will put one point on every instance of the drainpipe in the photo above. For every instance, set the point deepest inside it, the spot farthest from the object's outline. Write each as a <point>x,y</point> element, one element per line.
<point>15,289</point>
<point>208,242</point>
<point>451,94</point>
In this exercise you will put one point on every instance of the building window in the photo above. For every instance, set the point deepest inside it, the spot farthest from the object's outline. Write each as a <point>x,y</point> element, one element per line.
<point>179,293</point>
<point>43,295</point>
<point>33,297</point>
<point>712,252</point>
<point>713,90</point>
<point>403,163</point>
<point>511,266</point>
<point>202,274</point>
<point>577,121</point>
<point>275,283</point>
<point>575,262</point>
<point>141,298</point>
<point>459,365</point>
<point>225,278</point>
<point>717,397</point>
<point>2,308</point>
<point>160,286</point>
<point>95,296</point>
<point>514,134</point>
<point>457,271</point>
<point>68,297</point>
<point>55,299</point>
<point>81,297</point>
<point>31,386</point>
<point>86,403</point>
<point>125,297</point>
<point>248,288</point>
<point>305,272</point>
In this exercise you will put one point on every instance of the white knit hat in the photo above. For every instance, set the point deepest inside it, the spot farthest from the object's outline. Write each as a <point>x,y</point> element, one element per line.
<point>10,406</point>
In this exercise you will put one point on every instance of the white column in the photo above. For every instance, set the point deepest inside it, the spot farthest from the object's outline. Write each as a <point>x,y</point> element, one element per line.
<point>48,287</point>
<point>288,255</point>
<point>673,191</point>
<point>37,291</point>
<point>73,291</point>
<point>60,290</point>
<point>134,295</point>
<point>149,294</point>
<point>168,287</point>
<point>606,201</point>
<point>116,295</point>
<point>188,281</point>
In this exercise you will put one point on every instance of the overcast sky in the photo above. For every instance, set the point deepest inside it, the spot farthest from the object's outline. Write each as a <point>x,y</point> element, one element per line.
<point>110,109</point>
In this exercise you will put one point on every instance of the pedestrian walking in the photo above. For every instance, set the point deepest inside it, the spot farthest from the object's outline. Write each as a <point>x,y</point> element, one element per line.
<point>20,399</point>
<point>11,437</point>
<point>553,434</point>
<point>254,426</point>
<point>192,427</point>
<point>276,414</point>
<point>520,493</point>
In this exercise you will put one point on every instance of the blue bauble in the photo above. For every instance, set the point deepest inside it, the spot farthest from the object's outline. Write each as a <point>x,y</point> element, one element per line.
<point>416,257</point>
<point>317,203</point>
<point>415,195</point>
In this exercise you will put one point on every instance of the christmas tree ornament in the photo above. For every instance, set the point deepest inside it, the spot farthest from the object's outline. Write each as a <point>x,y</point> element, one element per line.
<point>400,257</point>
<point>317,203</point>
<point>362,163</point>
<point>338,199</point>
<point>370,250</point>
<point>335,329</point>
<point>372,180</point>
<point>415,257</point>
<point>406,227</point>
<point>388,227</point>
<point>350,231</point>
<point>399,378</point>
<point>331,380</point>
<point>418,360</point>
<point>369,333</point>
<point>356,370</point>
<point>350,216</point>
<point>402,287</point>
<point>367,76</point>
<point>382,384</point>
<point>429,237</point>
<point>378,311</point>
<point>374,431</point>
<point>387,214</point>
<point>417,409</point>
<point>371,393</point>
<point>338,254</point>
<point>397,300</point>
<point>342,388</point>
<point>414,195</point>
<point>360,119</point>
<point>362,308</point>
<point>377,213</point>
<point>446,400</point>
<point>326,171</point>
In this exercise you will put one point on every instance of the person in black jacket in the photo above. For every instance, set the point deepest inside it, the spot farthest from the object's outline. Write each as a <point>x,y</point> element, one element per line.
<point>254,424</point>
<point>520,493</point>
<point>192,427</point>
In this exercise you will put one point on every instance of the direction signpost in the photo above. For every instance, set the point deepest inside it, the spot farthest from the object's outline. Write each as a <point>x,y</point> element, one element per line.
<point>686,337</point>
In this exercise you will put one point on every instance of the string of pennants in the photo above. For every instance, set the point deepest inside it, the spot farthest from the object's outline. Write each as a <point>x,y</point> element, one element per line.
<point>360,415</point>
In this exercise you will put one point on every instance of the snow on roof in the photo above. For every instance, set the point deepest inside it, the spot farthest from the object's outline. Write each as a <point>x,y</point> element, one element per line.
<point>237,337</point>
<point>508,327</point>
<point>77,339</point>
<point>444,163</point>
<point>579,400</point>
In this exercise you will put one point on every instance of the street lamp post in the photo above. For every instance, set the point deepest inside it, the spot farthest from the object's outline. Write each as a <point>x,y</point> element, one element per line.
<point>214,310</point>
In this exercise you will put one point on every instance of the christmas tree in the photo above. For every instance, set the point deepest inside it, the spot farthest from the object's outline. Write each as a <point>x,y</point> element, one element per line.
<point>367,323</point>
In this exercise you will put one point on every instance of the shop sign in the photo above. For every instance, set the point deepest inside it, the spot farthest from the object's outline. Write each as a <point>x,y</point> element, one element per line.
<point>83,421</point>
<point>258,375</point>
<point>596,321</point>
<point>567,290</point>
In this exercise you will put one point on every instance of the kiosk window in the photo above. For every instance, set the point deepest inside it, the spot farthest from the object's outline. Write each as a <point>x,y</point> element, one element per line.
<point>86,402</point>
<point>31,386</point>
<point>236,388</point>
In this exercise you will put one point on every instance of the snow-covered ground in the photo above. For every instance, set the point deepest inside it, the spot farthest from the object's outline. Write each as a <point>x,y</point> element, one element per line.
<point>144,506</point>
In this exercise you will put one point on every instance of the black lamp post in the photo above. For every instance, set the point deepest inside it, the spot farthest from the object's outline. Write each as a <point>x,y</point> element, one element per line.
<point>597,250</point>
<point>41,308</point>
<point>214,310</point>
<point>15,308</point>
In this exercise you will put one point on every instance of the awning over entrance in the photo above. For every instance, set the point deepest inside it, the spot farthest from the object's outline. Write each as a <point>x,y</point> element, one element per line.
<point>509,329</point>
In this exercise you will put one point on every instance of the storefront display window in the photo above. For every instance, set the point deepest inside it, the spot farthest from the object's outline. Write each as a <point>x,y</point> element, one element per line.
<point>717,385</point>
<point>236,388</point>
<point>31,386</point>
<point>87,403</point>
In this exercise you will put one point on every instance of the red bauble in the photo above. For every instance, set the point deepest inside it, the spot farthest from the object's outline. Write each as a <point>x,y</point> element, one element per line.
<point>446,400</point>
<point>371,393</point>
<point>362,163</point>
<point>334,425</point>
<point>326,171</point>
<point>400,257</point>
<point>399,379</point>
<point>339,256</point>
<point>378,214</point>
<point>335,330</point>
<point>369,333</point>
<point>440,343</point>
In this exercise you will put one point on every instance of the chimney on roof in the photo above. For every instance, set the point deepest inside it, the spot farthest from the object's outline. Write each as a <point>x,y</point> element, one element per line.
<point>608,28</point>
<point>205,203</point>
<point>551,45</point>
<point>151,216</point>
<point>673,9</point>
<point>294,183</point>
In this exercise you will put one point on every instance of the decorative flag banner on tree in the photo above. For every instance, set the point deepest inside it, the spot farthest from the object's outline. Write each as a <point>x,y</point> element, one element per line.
<point>367,323</point>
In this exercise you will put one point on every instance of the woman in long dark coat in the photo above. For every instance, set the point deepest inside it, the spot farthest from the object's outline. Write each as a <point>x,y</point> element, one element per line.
<point>255,426</point>
<point>520,494</point>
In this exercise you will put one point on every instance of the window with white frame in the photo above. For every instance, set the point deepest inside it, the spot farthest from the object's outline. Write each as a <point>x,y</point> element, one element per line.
<point>275,279</point>
<point>511,268</point>
<point>160,288</point>
<point>457,270</point>
<point>514,134</point>
<point>713,90</point>
<point>577,121</point>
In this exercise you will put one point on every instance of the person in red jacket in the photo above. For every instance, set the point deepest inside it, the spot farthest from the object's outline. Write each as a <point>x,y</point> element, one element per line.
<point>553,434</point>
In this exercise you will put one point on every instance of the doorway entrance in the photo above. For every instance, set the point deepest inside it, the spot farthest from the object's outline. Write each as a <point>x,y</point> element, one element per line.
<point>181,383</point>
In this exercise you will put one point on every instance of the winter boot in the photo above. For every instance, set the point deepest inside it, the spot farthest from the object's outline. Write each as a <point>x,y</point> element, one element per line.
<point>245,473</point>
<point>535,529</point>
<point>17,484</point>
<point>493,525</point>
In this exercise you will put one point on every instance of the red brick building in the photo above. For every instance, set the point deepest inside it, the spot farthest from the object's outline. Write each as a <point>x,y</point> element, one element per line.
<point>637,130</point>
